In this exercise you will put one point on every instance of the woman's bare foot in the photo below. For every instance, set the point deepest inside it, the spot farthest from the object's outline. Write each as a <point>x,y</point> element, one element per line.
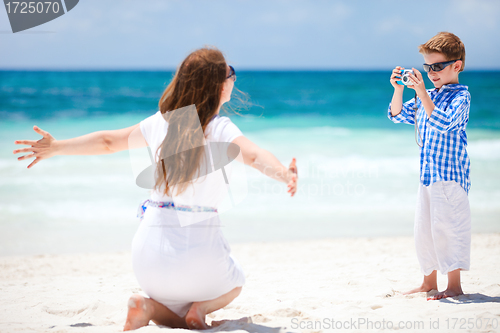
<point>195,318</point>
<point>138,313</point>
<point>216,323</point>
<point>446,293</point>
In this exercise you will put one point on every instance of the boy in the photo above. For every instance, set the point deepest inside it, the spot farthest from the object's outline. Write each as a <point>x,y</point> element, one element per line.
<point>442,219</point>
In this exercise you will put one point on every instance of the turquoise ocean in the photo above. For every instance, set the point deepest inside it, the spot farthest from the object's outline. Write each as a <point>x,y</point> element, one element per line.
<point>358,171</point>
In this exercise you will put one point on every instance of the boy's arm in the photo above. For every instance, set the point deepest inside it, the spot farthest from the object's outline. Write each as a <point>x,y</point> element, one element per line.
<point>442,120</point>
<point>399,112</point>
<point>453,116</point>
<point>406,114</point>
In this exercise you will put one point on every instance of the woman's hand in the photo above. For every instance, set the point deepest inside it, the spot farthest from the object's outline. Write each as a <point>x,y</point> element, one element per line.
<point>41,149</point>
<point>292,177</point>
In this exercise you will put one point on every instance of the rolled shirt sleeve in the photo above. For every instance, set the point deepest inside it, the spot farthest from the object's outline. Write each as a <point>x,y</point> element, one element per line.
<point>407,114</point>
<point>453,117</point>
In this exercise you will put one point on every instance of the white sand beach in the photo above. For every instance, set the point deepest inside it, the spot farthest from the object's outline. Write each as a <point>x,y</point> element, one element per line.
<point>301,286</point>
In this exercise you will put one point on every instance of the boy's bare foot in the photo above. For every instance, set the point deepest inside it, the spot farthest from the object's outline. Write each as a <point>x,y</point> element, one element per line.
<point>429,283</point>
<point>195,318</point>
<point>446,293</point>
<point>138,314</point>
<point>424,288</point>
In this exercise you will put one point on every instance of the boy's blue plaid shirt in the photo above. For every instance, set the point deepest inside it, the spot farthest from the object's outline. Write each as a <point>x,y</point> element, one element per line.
<point>443,155</point>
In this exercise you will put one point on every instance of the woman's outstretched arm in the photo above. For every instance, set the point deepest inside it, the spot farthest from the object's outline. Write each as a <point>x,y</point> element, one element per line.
<point>96,143</point>
<point>267,163</point>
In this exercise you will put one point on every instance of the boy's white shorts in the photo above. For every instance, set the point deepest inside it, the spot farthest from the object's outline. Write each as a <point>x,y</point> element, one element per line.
<point>442,227</point>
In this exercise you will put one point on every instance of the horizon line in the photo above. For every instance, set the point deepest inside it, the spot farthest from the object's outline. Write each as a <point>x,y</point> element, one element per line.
<point>243,69</point>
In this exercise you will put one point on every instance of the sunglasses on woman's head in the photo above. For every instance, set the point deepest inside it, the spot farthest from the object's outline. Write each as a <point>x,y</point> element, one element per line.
<point>438,66</point>
<point>232,74</point>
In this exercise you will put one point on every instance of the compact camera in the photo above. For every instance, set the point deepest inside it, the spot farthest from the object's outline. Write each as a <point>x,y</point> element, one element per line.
<point>405,77</point>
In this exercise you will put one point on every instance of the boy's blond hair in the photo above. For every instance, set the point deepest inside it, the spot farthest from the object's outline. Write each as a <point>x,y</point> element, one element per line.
<point>447,44</point>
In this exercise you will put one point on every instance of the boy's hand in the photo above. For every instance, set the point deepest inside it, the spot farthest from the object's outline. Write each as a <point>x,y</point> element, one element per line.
<point>418,83</point>
<point>395,77</point>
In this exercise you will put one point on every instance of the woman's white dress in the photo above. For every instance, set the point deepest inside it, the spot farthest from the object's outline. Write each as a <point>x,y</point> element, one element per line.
<point>176,263</point>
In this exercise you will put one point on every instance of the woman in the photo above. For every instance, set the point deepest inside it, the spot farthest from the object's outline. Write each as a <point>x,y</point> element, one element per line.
<point>186,269</point>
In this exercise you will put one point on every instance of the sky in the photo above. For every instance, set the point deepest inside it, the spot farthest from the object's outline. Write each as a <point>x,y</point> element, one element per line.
<point>267,35</point>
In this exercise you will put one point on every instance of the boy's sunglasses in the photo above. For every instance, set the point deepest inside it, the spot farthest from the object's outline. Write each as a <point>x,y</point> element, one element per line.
<point>232,73</point>
<point>438,66</point>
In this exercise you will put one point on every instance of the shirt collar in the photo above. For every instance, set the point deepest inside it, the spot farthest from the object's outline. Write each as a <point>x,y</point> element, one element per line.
<point>452,86</point>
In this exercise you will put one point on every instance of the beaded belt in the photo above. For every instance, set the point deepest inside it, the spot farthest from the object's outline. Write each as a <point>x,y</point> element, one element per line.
<point>171,205</point>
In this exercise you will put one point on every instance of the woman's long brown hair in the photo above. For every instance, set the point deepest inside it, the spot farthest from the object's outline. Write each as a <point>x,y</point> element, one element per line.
<point>198,81</point>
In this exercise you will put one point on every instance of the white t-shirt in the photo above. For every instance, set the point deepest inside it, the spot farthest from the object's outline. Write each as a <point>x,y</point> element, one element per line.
<point>209,190</point>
